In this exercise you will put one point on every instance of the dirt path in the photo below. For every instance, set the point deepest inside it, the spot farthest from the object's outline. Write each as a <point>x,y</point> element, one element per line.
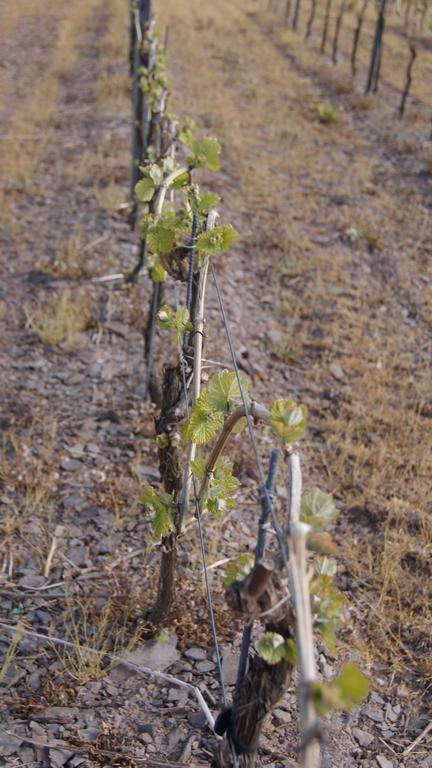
<point>329,292</point>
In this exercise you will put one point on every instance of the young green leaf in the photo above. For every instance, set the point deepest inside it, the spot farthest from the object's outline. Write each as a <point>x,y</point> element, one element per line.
<point>205,154</point>
<point>288,420</point>
<point>181,181</point>
<point>327,604</point>
<point>156,271</point>
<point>155,172</point>
<point>144,190</point>
<point>220,488</point>
<point>221,485</point>
<point>161,507</point>
<point>178,322</point>
<point>160,239</point>
<point>238,569</point>
<point>218,239</point>
<point>350,687</point>
<point>182,323</point>
<point>223,391</point>
<point>186,133</point>
<point>274,648</point>
<point>203,423</point>
<point>198,467</point>
<point>165,318</point>
<point>317,509</point>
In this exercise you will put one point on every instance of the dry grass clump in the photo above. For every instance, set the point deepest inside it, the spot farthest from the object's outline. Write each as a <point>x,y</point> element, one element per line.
<point>109,162</point>
<point>113,84</point>
<point>97,627</point>
<point>111,197</point>
<point>60,319</point>
<point>27,483</point>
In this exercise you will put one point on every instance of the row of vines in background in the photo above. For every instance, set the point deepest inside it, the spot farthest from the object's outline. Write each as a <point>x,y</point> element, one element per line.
<point>323,22</point>
<point>284,589</point>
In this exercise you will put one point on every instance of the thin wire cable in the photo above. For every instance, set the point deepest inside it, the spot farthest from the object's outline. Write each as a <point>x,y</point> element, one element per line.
<point>264,493</point>
<point>203,557</point>
<point>201,539</point>
<point>50,639</point>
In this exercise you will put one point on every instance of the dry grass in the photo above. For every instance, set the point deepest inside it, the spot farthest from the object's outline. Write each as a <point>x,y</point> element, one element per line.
<point>95,631</point>
<point>60,318</point>
<point>27,481</point>
<point>111,197</point>
<point>71,259</point>
<point>113,84</point>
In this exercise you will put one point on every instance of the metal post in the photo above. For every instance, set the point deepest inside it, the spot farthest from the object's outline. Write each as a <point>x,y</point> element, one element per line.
<point>375,57</point>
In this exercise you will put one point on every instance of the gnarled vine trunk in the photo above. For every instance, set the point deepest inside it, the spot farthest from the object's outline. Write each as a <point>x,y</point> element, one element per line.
<point>170,464</point>
<point>263,684</point>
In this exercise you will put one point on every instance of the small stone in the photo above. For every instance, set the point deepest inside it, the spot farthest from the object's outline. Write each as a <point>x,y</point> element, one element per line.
<point>383,762</point>
<point>146,738</point>
<point>230,662</point>
<point>390,713</point>
<point>275,337</point>
<point>205,666</point>
<point>35,681</point>
<point>64,715</point>
<point>374,714</point>
<point>196,654</point>
<point>71,465</point>
<point>58,757</point>
<point>27,755</point>
<point>362,737</point>
<point>31,581</point>
<point>337,372</point>
<point>89,734</point>
<point>145,728</point>
<point>77,555</point>
<point>281,717</point>
<point>196,719</point>
<point>42,617</point>
<point>148,473</point>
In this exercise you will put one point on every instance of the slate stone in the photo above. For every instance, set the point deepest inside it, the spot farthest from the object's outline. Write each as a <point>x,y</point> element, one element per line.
<point>196,654</point>
<point>362,737</point>
<point>384,762</point>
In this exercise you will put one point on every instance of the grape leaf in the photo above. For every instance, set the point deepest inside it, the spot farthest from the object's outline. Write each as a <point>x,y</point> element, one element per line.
<point>238,569</point>
<point>205,153</point>
<point>160,239</point>
<point>350,687</point>
<point>217,239</point>
<point>317,508</point>
<point>178,322</point>
<point>288,420</point>
<point>327,604</point>
<point>156,271</point>
<point>144,190</point>
<point>223,390</point>
<point>274,648</point>
<point>203,423</point>
<point>161,507</point>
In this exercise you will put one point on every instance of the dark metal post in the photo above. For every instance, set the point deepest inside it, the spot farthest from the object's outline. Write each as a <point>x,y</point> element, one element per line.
<point>140,16</point>
<point>376,48</point>
<point>296,14</point>
<point>259,551</point>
